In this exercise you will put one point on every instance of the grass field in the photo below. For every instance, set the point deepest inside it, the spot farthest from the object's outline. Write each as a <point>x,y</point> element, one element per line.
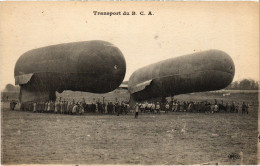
<point>175,138</point>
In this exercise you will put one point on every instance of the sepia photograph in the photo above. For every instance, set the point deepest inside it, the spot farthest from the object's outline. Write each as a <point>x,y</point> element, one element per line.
<point>129,83</point>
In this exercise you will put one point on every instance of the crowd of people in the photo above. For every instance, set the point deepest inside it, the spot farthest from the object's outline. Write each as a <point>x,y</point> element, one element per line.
<point>79,108</point>
<point>74,108</point>
<point>190,106</point>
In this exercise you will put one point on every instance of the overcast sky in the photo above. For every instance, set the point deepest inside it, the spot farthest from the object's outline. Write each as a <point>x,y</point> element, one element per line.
<point>174,29</point>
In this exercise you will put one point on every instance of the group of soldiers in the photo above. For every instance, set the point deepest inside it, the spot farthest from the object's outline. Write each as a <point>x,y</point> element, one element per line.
<point>62,107</point>
<point>74,108</point>
<point>190,106</point>
<point>79,108</point>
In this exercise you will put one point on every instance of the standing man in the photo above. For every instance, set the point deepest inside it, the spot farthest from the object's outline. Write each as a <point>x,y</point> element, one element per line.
<point>112,108</point>
<point>62,106</point>
<point>99,106</point>
<point>189,107</point>
<point>149,107</point>
<point>227,107</point>
<point>52,106</point>
<point>56,107</point>
<point>178,107</point>
<point>46,107</point>
<point>43,107</point>
<point>167,107</point>
<point>66,107</point>
<point>75,109</point>
<point>39,106</point>
<point>236,107</point>
<point>136,110</point>
<point>216,108</point>
<point>247,108</point>
<point>232,107</point>
<point>81,109</point>
<point>12,104</point>
<point>83,104</point>
<point>35,107</point>
<point>142,107</point>
<point>119,108</point>
<point>157,107</point>
<point>49,107</point>
<point>69,105</point>
<point>108,108</point>
<point>244,108</point>
<point>171,104</point>
<point>153,107</point>
<point>184,106</point>
<point>116,108</point>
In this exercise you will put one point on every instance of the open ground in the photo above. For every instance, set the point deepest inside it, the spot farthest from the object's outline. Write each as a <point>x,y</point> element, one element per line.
<point>174,138</point>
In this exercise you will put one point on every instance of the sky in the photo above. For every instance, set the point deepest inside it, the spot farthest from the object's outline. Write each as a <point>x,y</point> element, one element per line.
<point>173,29</point>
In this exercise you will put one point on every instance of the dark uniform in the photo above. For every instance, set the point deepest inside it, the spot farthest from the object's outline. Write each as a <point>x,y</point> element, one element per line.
<point>136,110</point>
<point>12,104</point>
<point>244,108</point>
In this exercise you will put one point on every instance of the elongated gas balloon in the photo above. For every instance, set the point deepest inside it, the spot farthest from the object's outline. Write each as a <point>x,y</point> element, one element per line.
<point>198,72</point>
<point>90,66</point>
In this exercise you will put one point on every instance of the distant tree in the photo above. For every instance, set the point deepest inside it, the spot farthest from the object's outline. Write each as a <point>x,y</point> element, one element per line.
<point>235,85</point>
<point>229,86</point>
<point>245,84</point>
<point>252,84</point>
<point>256,85</point>
<point>11,88</point>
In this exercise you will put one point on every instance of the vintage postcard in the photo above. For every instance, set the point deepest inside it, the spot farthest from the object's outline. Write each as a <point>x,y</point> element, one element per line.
<point>129,83</point>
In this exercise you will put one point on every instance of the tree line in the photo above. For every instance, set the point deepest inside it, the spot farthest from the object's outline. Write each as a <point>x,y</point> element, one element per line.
<point>245,84</point>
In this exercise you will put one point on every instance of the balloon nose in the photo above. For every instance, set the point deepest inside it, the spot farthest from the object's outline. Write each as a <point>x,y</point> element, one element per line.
<point>229,65</point>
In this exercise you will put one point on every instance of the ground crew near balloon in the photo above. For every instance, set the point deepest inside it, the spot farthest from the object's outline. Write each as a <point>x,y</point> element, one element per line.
<point>167,107</point>
<point>35,107</point>
<point>81,110</point>
<point>122,107</point>
<point>62,107</point>
<point>157,107</point>
<point>45,107</point>
<point>74,109</point>
<point>49,107</point>
<point>12,104</point>
<point>153,107</point>
<point>136,110</point>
